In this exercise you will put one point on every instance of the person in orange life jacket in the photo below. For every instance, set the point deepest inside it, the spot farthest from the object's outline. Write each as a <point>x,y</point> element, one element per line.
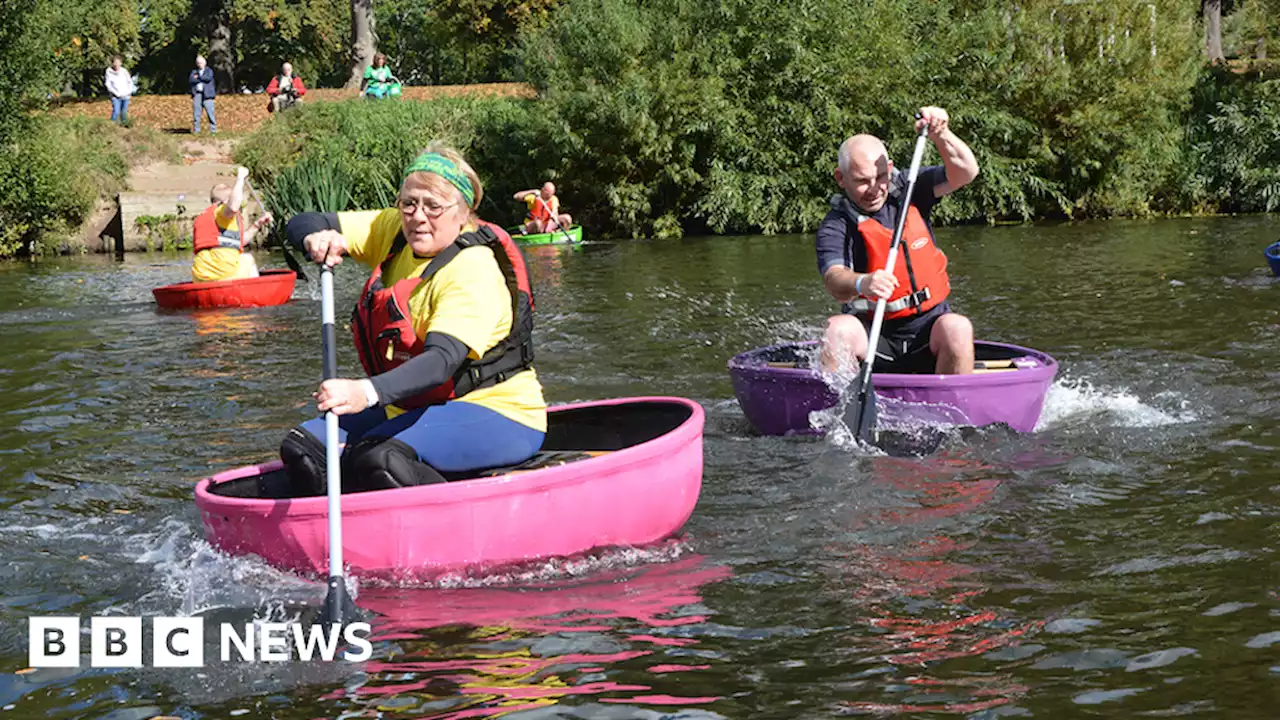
<point>444,330</point>
<point>220,237</point>
<point>920,333</point>
<point>544,214</point>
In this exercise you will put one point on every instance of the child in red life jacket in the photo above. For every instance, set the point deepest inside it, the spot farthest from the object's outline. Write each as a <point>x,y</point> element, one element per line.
<point>219,236</point>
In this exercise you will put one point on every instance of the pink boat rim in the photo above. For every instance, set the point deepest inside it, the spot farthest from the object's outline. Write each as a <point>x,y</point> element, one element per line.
<point>634,479</point>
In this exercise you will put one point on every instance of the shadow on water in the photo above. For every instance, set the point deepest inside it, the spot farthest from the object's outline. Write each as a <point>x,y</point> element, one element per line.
<point>1111,563</point>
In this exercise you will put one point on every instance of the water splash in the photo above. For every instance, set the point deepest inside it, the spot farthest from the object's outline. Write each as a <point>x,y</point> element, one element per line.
<point>902,428</point>
<point>1070,401</point>
<point>196,578</point>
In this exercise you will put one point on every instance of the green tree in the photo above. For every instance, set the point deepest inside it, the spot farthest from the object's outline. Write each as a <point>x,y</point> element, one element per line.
<point>726,115</point>
<point>18,44</point>
<point>310,34</point>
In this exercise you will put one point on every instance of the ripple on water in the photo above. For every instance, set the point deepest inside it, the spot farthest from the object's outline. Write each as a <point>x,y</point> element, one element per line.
<point>868,584</point>
<point>1159,658</point>
<point>1097,697</point>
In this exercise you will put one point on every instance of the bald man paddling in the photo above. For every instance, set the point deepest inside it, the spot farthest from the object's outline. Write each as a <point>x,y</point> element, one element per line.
<point>920,333</point>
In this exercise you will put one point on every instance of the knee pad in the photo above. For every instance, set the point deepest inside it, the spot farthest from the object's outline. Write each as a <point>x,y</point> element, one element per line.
<point>384,464</point>
<point>304,462</point>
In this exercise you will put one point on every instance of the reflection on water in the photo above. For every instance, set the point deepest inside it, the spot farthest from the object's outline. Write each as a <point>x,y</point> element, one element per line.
<point>915,607</point>
<point>1112,563</point>
<point>484,652</point>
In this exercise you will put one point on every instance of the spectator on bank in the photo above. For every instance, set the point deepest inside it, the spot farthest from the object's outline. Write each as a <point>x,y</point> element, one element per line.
<point>202,94</point>
<point>286,90</point>
<point>120,87</point>
<point>378,81</point>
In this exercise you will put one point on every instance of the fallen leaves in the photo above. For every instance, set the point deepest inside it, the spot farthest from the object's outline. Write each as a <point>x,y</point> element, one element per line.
<point>244,113</point>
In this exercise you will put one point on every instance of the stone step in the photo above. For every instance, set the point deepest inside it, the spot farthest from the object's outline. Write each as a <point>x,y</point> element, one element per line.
<point>181,207</point>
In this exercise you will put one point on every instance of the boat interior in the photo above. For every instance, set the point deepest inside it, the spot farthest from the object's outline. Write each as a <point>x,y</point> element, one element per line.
<point>987,358</point>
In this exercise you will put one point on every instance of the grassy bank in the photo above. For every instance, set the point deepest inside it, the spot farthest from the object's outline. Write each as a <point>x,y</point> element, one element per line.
<point>51,175</point>
<point>340,156</point>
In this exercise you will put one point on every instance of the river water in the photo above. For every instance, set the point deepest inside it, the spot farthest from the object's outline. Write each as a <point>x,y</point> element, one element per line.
<point>1118,562</point>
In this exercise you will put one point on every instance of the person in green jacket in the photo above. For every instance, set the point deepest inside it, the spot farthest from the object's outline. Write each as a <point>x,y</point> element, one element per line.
<point>378,81</point>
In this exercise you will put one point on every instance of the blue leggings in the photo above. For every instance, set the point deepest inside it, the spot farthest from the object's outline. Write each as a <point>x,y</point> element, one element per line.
<point>453,437</point>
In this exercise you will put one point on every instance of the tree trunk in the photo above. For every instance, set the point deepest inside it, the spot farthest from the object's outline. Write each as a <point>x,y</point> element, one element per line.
<point>361,41</point>
<point>221,57</point>
<point>1213,30</point>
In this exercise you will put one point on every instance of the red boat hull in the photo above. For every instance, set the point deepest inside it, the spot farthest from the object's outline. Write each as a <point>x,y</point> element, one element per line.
<point>272,287</point>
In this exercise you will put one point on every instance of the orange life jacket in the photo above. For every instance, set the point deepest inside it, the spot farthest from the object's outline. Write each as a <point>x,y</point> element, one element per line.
<point>206,233</point>
<point>385,337</point>
<point>541,210</point>
<point>921,268</point>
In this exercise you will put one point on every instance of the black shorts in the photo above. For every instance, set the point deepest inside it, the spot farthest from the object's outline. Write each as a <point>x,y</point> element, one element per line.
<point>904,344</point>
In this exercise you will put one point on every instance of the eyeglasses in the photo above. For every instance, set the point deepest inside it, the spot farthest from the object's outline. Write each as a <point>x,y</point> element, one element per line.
<point>430,208</point>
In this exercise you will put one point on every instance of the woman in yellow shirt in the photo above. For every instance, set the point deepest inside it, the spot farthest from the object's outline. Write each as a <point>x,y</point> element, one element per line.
<point>443,328</point>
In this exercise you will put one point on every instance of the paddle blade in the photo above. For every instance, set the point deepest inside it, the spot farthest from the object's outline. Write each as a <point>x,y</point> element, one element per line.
<point>293,264</point>
<point>860,412</point>
<point>339,609</point>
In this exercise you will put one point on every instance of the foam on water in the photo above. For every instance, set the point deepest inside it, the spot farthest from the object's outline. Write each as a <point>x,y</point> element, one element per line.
<point>193,577</point>
<point>550,570</point>
<point>1071,400</point>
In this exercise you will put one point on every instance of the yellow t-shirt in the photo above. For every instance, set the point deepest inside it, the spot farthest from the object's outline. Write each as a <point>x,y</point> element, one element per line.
<point>467,299</point>
<point>531,201</point>
<point>219,263</point>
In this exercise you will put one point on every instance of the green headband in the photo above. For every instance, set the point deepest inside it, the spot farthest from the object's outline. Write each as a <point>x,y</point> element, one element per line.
<point>445,168</point>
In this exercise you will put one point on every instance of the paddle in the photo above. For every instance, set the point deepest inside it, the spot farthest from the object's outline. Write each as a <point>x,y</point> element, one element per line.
<point>337,603</point>
<point>556,219</point>
<point>860,415</point>
<point>289,259</point>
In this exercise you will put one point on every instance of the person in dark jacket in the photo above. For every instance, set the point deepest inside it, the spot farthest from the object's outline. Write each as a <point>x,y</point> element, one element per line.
<point>202,93</point>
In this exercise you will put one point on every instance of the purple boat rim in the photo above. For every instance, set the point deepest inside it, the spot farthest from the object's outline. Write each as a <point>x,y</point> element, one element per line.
<point>777,399</point>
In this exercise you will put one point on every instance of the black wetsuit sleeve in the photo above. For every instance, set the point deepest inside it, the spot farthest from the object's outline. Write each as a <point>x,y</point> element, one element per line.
<point>441,357</point>
<point>303,224</point>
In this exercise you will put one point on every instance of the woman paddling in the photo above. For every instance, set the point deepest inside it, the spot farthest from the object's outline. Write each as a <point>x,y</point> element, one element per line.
<point>444,330</point>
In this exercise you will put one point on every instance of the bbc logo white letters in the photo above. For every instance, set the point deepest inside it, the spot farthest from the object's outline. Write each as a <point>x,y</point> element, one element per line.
<point>54,642</point>
<point>177,642</point>
<point>115,642</point>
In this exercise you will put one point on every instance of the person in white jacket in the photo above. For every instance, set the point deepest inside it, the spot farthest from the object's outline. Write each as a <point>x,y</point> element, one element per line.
<point>120,86</point>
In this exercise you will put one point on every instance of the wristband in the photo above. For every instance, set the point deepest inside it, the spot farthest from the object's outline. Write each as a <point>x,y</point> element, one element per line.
<point>370,393</point>
<point>857,284</point>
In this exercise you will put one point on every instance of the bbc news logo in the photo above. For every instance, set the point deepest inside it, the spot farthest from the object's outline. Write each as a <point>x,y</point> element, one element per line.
<point>118,642</point>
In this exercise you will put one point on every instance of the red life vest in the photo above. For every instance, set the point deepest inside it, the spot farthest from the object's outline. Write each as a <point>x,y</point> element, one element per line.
<point>921,269</point>
<point>206,233</point>
<point>385,337</point>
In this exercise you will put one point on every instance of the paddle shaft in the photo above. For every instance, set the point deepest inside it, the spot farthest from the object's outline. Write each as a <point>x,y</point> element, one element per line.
<point>289,259</point>
<point>873,337</point>
<point>335,601</point>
